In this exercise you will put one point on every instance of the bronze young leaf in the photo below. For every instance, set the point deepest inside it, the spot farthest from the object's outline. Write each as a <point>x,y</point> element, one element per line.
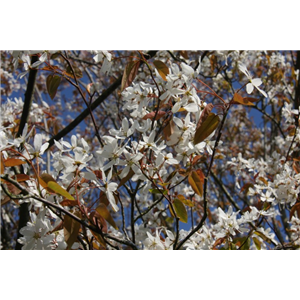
<point>206,128</point>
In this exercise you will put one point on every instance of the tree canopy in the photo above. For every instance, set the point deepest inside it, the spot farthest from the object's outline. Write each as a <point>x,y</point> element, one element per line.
<point>158,150</point>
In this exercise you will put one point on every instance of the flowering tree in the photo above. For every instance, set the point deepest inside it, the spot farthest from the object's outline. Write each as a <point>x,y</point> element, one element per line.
<point>150,150</point>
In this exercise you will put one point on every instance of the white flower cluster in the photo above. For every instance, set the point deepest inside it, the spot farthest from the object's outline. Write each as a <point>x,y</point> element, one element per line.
<point>37,234</point>
<point>228,228</point>
<point>282,188</point>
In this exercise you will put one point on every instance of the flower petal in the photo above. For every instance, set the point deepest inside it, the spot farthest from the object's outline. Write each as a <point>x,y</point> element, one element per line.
<point>43,148</point>
<point>249,88</point>
<point>263,92</point>
<point>112,201</point>
<point>256,82</point>
<point>191,107</point>
<point>243,69</point>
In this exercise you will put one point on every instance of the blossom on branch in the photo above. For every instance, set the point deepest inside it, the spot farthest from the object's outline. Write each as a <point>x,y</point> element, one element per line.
<point>254,83</point>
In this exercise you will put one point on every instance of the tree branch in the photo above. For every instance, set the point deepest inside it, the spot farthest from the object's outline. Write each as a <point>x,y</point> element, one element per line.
<point>92,107</point>
<point>28,97</point>
<point>24,207</point>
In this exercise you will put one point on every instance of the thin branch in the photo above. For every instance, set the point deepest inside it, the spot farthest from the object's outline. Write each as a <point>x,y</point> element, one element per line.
<point>224,190</point>
<point>271,118</point>
<point>83,97</point>
<point>199,226</point>
<point>202,57</point>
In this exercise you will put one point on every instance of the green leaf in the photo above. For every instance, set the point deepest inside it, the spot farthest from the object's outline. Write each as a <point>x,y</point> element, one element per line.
<point>257,243</point>
<point>242,241</point>
<point>180,211</point>
<point>157,191</point>
<point>59,190</point>
<point>187,202</point>
<point>163,183</point>
<point>162,69</point>
<point>76,70</point>
<point>129,74</point>
<point>265,238</point>
<point>53,82</point>
<point>43,181</point>
<point>104,212</point>
<point>47,177</point>
<point>206,128</point>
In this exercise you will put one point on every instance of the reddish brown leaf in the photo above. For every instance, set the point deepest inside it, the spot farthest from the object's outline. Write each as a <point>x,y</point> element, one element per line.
<point>246,187</point>
<point>183,53</point>
<point>5,200</point>
<point>12,162</point>
<point>129,74</point>
<point>263,180</point>
<point>44,179</point>
<point>296,166</point>
<point>238,99</point>
<point>67,202</point>
<point>219,242</point>
<point>182,172</point>
<point>151,115</point>
<point>185,201</point>
<point>213,61</point>
<point>196,180</point>
<point>50,184</point>
<point>98,173</point>
<point>253,100</point>
<point>104,212</point>
<point>22,177</point>
<point>169,129</point>
<point>162,69</point>
<point>295,208</point>
<point>206,111</point>
<point>103,198</point>
<point>206,128</point>
<point>98,221</point>
<point>13,189</point>
<point>196,159</point>
<point>126,178</point>
<point>2,167</point>
<point>71,230</point>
